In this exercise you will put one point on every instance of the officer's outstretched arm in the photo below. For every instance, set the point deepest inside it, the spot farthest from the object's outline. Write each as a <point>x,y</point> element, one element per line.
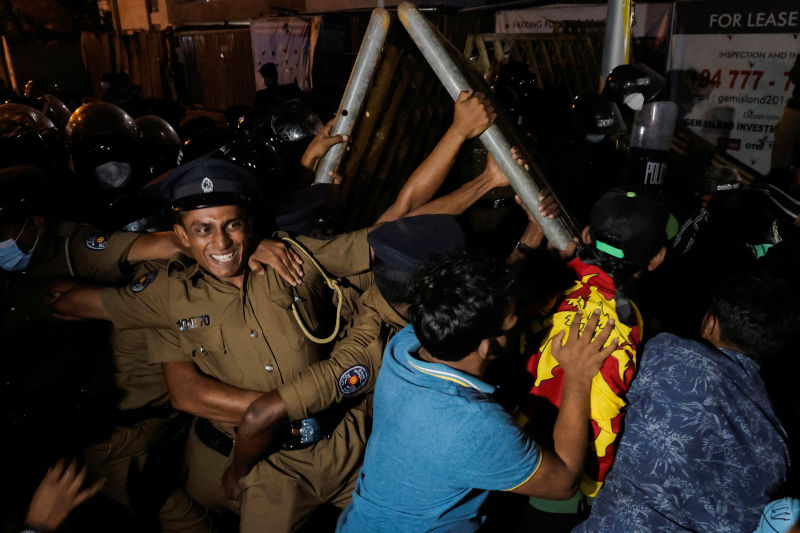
<point>154,246</point>
<point>559,474</point>
<point>472,115</point>
<point>201,395</point>
<point>81,301</point>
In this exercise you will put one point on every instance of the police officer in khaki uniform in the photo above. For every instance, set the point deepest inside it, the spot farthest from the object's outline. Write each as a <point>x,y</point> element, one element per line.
<point>244,333</point>
<point>67,250</point>
<point>399,248</point>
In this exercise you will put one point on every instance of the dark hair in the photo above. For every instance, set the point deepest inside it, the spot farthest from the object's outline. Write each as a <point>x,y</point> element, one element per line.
<point>393,284</point>
<point>458,301</point>
<point>753,314</point>
<point>542,275</point>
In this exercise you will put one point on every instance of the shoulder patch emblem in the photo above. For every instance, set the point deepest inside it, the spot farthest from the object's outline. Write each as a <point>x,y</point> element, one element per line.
<point>97,241</point>
<point>141,283</point>
<point>353,380</point>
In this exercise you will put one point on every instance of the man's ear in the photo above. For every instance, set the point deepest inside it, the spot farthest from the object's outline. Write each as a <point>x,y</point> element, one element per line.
<point>180,231</point>
<point>657,259</point>
<point>586,236</point>
<point>708,328</point>
<point>484,349</point>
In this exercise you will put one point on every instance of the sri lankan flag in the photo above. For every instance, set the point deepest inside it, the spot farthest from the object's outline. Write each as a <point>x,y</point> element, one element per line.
<point>593,290</point>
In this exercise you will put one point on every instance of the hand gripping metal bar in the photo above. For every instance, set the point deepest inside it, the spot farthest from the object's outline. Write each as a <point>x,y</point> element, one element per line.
<point>493,139</point>
<point>356,90</point>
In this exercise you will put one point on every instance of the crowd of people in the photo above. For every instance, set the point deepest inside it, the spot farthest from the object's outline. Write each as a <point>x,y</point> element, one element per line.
<point>192,343</point>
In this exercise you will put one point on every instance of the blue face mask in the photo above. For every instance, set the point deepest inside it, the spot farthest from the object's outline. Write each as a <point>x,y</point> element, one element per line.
<point>12,259</point>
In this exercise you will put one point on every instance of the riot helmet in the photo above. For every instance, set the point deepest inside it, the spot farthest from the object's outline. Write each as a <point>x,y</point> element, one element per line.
<point>157,148</point>
<point>102,138</point>
<point>143,212</point>
<point>287,129</point>
<point>633,85</point>
<point>594,117</point>
<point>203,143</point>
<point>28,137</point>
<point>37,88</point>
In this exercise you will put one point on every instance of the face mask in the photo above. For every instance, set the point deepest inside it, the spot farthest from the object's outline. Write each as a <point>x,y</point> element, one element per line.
<point>12,259</point>
<point>113,175</point>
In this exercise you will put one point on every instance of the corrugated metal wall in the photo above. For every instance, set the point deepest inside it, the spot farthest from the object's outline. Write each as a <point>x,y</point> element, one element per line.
<point>219,67</point>
<point>142,56</point>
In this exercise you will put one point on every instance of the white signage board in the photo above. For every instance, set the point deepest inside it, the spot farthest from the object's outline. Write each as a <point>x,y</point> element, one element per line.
<point>649,20</point>
<point>730,63</point>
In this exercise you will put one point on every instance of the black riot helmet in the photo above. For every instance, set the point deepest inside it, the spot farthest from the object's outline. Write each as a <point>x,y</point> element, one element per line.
<point>293,121</point>
<point>203,143</point>
<point>28,137</point>
<point>594,117</point>
<point>102,139</point>
<point>142,212</point>
<point>157,148</point>
<point>517,77</point>
<point>48,104</point>
<point>37,88</point>
<point>287,129</point>
<point>633,85</point>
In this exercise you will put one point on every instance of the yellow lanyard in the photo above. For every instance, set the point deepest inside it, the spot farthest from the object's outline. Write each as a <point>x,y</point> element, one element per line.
<point>332,284</point>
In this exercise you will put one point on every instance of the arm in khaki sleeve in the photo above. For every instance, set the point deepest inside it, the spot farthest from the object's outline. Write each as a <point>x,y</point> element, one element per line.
<point>345,255</point>
<point>314,390</point>
<point>317,387</point>
<point>161,245</point>
<point>144,303</point>
<point>100,256</point>
<point>189,389</point>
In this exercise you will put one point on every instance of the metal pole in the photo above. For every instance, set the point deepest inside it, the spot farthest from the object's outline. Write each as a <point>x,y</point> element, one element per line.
<point>617,38</point>
<point>353,99</point>
<point>493,138</point>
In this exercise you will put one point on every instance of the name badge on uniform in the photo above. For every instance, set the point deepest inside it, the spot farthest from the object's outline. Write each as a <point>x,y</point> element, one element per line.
<point>97,241</point>
<point>194,322</point>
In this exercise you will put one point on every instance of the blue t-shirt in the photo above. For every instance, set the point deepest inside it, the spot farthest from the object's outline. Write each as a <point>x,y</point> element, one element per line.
<point>439,443</point>
<point>702,449</point>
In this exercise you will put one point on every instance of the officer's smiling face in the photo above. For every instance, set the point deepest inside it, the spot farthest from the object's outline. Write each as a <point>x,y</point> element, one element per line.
<point>219,239</point>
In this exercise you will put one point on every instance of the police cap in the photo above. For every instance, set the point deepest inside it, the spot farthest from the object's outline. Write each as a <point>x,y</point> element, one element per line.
<point>208,182</point>
<point>407,243</point>
<point>296,215</point>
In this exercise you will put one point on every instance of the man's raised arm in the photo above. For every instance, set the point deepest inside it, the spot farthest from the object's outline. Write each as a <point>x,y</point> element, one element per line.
<point>472,115</point>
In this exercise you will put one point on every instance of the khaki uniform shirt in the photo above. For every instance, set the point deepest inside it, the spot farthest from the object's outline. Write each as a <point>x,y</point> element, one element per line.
<point>353,365</point>
<point>141,382</point>
<point>247,338</point>
<point>81,251</point>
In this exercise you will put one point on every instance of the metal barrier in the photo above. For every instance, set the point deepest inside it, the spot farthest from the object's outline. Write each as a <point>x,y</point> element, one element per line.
<point>559,232</point>
<point>353,99</point>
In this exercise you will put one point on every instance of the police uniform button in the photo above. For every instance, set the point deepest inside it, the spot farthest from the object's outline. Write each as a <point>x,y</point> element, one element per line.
<point>269,368</point>
<point>202,349</point>
<point>253,333</point>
